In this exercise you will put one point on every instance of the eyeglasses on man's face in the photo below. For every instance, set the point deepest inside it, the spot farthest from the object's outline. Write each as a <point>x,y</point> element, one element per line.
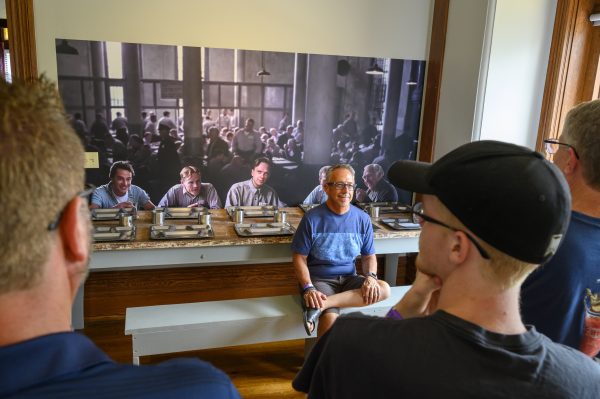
<point>86,192</point>
<point>341,185</point>
<point>551,146</point>
<point>420,217</point>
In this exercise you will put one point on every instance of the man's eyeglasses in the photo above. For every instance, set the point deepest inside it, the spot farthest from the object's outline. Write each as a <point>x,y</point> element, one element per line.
<point>340,186</point>
<point>87,191</point>
<point>420,218</point>
<point>551,146</point>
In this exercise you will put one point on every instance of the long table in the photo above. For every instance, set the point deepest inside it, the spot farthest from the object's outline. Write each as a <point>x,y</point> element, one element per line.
<point>226,248</point>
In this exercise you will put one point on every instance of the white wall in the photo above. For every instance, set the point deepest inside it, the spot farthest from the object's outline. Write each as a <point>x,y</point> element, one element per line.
<point>2,9</point>
<point>511,70</point>
<point>459,85</point>
<point>517,70</point>
<point>385,28</point>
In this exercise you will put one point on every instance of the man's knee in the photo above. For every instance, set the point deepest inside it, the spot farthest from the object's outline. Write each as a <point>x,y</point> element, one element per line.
<point>384,290</point>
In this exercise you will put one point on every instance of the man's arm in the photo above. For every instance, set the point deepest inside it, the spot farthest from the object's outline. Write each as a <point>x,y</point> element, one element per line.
<point>148,206</point>
<point>312,298</point>
<point>370,289</point>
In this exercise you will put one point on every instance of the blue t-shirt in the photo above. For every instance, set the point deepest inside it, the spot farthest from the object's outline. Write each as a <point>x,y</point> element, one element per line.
<point>69,365</point>
<point>331,242</point>
<point>104,197</point>
<point>552,296</point>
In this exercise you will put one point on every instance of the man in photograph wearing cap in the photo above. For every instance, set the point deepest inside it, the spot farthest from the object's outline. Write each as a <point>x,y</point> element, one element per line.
<point>552,298</point>
<point>491,213</point>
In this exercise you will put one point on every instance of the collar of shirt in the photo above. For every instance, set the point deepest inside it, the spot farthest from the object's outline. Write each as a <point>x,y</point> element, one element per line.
<point>44,358</point>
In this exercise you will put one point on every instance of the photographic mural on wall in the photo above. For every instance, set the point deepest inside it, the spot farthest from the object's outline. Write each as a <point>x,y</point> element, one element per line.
<point>305,111</point>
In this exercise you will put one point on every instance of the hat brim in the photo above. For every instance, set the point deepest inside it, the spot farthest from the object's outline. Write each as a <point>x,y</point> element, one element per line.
<point>411,176</point>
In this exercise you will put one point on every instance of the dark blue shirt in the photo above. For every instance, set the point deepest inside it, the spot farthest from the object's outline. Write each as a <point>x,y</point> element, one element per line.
<point>69,365</point>
<point>552,296</point>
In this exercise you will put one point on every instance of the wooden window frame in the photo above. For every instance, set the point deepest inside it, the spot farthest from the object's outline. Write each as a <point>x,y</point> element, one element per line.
<point>570,67</point>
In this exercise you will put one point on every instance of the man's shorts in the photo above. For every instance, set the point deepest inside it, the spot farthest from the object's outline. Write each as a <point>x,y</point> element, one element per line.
<point>335,285</point>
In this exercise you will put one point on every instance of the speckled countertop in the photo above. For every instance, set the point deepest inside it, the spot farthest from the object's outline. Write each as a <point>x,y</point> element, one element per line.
<point>224,232</point>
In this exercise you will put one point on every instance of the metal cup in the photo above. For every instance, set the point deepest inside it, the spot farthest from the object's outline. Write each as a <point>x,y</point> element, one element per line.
<point>374,211</point>
<point>158,217</point>
<point>126,220</point>
<point>280,216</point>
<point>238,216</point>
<point>204,218</point>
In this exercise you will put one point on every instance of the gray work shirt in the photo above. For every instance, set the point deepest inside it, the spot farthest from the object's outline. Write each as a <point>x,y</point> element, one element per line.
<point>245,194</point>
<point>178,196</point>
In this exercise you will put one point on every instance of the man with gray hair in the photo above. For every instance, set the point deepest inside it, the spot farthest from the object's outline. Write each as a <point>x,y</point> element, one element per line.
<point>378,189</point>
<point>553,296</point>
<point>318,195</point>
<point>45,252</point>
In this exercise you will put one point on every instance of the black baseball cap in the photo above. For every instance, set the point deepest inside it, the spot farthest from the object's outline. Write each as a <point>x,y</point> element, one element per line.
<point>508,195</point>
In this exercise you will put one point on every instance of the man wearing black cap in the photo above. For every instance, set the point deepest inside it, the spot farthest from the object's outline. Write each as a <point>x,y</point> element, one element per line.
<point>491,213</point>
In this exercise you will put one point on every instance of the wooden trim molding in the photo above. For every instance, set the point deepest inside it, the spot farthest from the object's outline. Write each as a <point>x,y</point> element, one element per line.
<point>567,66</point>
<point>21,31</point>
<point>433,80</point>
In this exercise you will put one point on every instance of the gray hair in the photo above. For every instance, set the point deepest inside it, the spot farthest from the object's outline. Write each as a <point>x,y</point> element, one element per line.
<point>582,131</point>
<point>339,166</point>
<point>375,168</point>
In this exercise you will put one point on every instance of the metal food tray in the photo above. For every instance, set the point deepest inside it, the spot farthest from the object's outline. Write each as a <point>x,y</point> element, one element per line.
<point>113,233</point>
<point>400,224</point>
<point>178,232</point>
<point>182,213</point>
<point>307,207</point>
<point>111,213</point>
<point>253,211</point>
<point>263,229</point>
<point>384,207</point>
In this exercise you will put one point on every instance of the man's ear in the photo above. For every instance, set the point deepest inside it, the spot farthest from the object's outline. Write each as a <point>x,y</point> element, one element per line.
<point>572,163</point>
<point>460,247</point>
<point>73,232</point>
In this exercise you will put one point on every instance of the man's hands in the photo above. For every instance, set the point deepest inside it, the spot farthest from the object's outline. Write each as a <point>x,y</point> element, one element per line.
<point>125,204</point>
<point>314,298</point>
<point>360,195</point>
<point>421,299</point>
<point>370,290</point>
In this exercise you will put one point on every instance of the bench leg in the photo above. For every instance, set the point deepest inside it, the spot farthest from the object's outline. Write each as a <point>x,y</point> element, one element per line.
<point>136,360</point>
<point>391,268</point>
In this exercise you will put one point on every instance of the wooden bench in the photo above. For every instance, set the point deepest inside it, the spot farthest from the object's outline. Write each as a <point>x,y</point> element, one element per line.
<point>204,325</point>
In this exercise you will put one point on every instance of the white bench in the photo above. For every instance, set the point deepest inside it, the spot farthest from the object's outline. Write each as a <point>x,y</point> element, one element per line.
<point>216,324</point>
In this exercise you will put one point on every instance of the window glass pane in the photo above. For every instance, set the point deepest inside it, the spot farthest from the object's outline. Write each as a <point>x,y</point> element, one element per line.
<point>274,97</point>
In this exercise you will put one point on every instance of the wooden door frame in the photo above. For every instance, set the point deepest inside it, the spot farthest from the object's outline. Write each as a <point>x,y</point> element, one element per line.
<point>567,73</point>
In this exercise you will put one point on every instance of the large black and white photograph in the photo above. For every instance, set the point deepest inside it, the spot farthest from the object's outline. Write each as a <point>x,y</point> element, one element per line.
<point>166,107</point>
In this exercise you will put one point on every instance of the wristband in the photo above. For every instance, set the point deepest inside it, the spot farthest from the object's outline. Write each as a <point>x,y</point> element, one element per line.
<point>394,314</point>
<point>307,287</point>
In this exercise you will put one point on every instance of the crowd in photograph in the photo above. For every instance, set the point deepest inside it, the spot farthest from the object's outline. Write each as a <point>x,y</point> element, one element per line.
<point>231,154</point>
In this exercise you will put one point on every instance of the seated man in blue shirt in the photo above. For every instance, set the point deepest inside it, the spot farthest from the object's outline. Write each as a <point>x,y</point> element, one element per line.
<point>45,252</point>
<point>119,192</point>
<point>317,195</point>
<point>191,192</point>
<point>327,241</point>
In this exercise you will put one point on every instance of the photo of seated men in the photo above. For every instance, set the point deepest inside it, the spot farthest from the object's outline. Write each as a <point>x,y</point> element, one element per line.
<point>317,195</point>
<point>119,192</point>
<point>255,191</point>
<point>327,241</point>
<point>191,192</point>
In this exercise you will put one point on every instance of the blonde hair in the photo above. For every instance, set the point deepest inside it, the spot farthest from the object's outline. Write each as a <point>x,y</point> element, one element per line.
<point>502,269</point>
<point>41,170</point>
<point>187,171</point>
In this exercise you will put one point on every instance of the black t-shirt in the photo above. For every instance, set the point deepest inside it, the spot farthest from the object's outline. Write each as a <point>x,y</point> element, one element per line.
<point>442,356</point>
